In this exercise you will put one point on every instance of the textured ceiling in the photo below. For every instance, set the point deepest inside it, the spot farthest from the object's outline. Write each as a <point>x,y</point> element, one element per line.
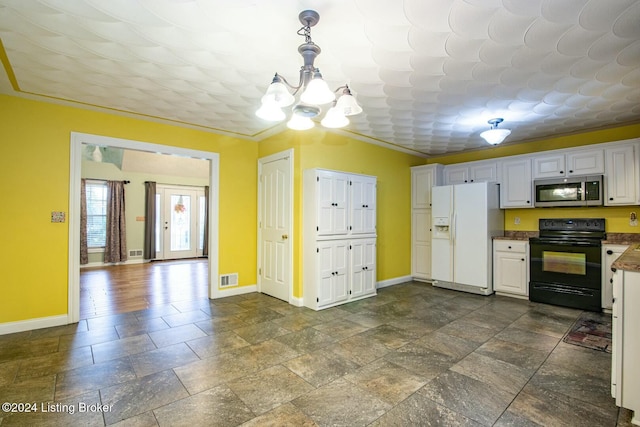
<point>428,73</point>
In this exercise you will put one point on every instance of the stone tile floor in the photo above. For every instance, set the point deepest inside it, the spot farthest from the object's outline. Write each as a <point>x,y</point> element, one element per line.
<point>412,355</point>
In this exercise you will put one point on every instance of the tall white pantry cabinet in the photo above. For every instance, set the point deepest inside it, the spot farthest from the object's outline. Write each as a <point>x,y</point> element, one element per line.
<point>422,179</point>
<point>339,237</point>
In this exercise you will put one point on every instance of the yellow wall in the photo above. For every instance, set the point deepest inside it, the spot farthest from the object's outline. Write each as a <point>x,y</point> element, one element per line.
<point>321,149</point>
<point>617,217</point>
<point>34,171</point>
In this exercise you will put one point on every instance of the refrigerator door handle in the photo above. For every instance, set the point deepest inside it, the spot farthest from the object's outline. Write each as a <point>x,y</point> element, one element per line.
<point>452,235</point>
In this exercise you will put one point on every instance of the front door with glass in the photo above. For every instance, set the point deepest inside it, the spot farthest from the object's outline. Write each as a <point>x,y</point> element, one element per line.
<point>180,226</point>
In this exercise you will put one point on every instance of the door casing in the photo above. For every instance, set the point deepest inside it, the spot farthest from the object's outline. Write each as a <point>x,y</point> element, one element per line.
<point>76,142</point>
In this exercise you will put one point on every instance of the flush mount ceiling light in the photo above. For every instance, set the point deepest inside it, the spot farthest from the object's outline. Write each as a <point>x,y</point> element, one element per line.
<point>314,90</point>
<point>495,136</point>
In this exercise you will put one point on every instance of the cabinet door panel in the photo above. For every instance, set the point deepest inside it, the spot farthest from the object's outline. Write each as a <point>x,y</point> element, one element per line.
<point>621,182</point>
<point>332,203</point>
<point>585,162</point>
<point>484,173</point>
<point>363,205</point>
<point>515,189</point>
<point>421,183</point>
<point>456,175</point>
<point>550,166</point>
<point>511,273</point>
<point>326,274</point>
<point>341,268</point>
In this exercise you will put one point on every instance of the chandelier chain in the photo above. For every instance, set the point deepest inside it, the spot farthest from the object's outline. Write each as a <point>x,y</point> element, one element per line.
<point>306,32</point>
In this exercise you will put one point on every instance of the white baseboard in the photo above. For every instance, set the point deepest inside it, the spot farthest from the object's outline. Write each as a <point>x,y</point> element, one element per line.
<point>394,281</point>
<point>238,290</point>
<point>127,262</point>
<point>298,302</point>
<point>28,325</point>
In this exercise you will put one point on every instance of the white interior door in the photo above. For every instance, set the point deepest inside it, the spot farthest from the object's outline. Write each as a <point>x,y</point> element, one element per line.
<point>274,225</point>
<point>179,223</point>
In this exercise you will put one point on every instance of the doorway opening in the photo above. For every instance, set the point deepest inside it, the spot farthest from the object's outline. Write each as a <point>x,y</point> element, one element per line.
<point>78,148</point>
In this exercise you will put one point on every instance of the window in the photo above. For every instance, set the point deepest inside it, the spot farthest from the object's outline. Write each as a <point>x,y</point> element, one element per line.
<point>96,214</point>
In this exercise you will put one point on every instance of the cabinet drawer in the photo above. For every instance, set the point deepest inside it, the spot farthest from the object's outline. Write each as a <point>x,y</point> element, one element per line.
<point>515,246</point>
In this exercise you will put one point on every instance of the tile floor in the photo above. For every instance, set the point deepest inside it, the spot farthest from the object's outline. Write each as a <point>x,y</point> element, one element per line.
<point>413,355</point>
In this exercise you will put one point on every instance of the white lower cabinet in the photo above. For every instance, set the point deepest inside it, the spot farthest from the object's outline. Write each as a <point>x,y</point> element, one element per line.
<point>342,270</point>
<point>332,266</point>
<point>625,370</point>
<point>609,254</point>
<point>511,268</point>
<point>363,267</point>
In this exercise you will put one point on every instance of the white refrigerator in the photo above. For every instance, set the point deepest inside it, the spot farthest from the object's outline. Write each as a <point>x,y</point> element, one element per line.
<point>465,218</point>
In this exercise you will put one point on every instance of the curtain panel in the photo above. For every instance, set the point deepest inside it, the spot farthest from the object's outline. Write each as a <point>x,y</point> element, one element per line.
<point>149,248</point>
<point>116,240</point>
<point>84,250</point>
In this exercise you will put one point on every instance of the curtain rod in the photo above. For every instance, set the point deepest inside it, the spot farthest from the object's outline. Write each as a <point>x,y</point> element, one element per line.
<point>100,179</point>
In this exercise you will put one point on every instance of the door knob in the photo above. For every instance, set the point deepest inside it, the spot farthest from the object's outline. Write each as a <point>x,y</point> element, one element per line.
<point>285,237</point>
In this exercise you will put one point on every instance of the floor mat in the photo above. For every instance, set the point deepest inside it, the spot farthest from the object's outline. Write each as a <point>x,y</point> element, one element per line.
<point>591,330</point>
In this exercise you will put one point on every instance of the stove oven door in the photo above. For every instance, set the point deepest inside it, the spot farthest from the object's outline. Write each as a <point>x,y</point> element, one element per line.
<point>566,273</point>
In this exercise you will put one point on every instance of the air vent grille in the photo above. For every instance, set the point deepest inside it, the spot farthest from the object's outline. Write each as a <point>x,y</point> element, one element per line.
<point>227,280</point>
<point>133,253</point>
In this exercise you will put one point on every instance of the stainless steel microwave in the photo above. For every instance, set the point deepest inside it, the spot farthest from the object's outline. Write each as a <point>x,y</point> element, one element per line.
<point>573,191</point>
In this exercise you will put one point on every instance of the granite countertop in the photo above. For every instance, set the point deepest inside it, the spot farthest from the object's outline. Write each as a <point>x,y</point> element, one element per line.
<point>621,239</point>
<point>517,235</point>
<point>612,238</point>
<point>629,260</point>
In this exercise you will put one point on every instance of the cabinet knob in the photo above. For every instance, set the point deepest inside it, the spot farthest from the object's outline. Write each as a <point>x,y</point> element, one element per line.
<point>528,201</point>
<point>521,259</point>
<point>471,180</point>
<point>609,252</point>
<point>561,171</point>
<point>611,199</point>
<point>570,171</point>
<point>509,247</point>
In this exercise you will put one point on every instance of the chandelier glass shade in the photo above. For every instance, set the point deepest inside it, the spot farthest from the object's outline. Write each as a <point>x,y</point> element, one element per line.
<point>314,91</point>
<point>495,136</point>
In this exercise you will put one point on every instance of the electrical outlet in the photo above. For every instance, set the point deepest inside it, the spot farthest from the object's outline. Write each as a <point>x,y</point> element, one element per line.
<point>516,220</point>
<point>633,219</point>
<point>57,216</point>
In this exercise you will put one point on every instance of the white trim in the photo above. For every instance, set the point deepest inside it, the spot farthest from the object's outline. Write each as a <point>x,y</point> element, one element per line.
<point>30,324</point>
<point>394,281</point>
<point>238,290</point>
<point>298,302</point>
<point>75,170</point>
<point>102,264</point>
<point>288,155</point>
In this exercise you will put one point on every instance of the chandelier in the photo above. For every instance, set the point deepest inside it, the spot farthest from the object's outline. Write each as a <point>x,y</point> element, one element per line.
<point>314,90</point>
<point>495,136</point>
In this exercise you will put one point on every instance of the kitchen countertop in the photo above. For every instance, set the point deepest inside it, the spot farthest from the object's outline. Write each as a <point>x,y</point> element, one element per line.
<point>629,260</point>
<point>612,238</point>
<point>517,235</point>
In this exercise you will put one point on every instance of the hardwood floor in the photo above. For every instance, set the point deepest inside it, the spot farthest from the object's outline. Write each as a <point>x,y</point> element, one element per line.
<point>126,288</point>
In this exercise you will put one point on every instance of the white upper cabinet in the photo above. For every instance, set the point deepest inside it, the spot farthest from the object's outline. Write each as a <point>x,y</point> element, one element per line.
<point>422,179</point>
<point>363,204</point>
<point>471,172</point>
<point>577,162</point>
<point>332,202</point>
<point>621,182</point>
<point>515,188</point>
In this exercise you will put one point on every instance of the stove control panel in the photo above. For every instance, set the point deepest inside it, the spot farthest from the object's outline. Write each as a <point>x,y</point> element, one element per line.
<point>571,224</point>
